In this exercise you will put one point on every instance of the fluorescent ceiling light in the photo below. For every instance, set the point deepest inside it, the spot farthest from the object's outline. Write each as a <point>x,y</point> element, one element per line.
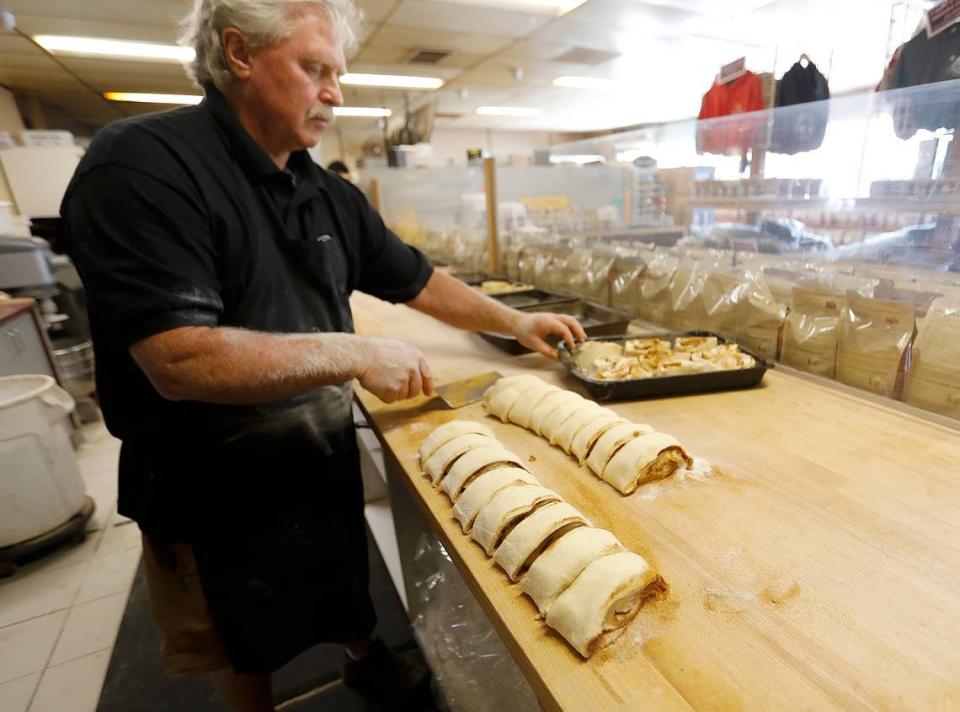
<point>508,111</point>
<point>586,83</point>
<point>539,7</point>
<point>144,98</point>
<point>578,158</point>
<point>102,47</point>
<point>361,111</point>
<point>398,81</point>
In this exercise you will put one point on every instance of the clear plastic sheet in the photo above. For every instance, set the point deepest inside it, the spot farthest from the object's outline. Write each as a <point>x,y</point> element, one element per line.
<point>469,661</point>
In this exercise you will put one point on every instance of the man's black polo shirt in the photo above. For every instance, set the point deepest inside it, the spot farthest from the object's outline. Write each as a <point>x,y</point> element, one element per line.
<point>181,219</point>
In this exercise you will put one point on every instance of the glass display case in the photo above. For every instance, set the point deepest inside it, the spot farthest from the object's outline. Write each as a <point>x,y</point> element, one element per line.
<point>442,211</point>
<point>825,236</point>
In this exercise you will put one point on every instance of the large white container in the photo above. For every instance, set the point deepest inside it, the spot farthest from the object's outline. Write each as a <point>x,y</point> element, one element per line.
<point>40,485</point>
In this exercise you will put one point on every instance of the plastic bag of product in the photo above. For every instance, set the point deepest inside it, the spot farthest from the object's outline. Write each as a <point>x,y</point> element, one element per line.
<point>526,263</point>
<point>542,266</point>
<point>575,276</point>
<point>686,307</point>
<point>811,329</point>
<point>592,283</point>
<point>760,318</point>
<point>625,283</point>
<point>469,661</point>
<point>933,381</point>
<point>721,298</point>
<point>655,303</point>
<point>874,339</point>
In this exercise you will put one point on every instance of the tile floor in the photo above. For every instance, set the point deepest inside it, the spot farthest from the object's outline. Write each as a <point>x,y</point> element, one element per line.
<point>59,616</point>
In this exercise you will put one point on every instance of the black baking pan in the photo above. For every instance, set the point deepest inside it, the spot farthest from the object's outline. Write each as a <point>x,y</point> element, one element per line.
<point>532,298</point>
<point>474,278</point>
<point>595,319</point>
<point>635,389</point>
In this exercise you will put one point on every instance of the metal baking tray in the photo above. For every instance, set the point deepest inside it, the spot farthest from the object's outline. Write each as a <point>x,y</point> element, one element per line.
<point>595,319</point>
<point>474,278</point>
<point>532,299</point>
<point>634,389</point>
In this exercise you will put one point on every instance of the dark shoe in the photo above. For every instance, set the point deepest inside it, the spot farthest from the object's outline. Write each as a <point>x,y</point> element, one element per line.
<point>385,675</point>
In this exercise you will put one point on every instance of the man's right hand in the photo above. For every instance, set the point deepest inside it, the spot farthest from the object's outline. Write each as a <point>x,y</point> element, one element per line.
<point>395,370</point>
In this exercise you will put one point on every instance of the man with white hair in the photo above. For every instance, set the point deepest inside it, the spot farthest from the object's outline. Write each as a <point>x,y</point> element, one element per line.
<point>218,262</point>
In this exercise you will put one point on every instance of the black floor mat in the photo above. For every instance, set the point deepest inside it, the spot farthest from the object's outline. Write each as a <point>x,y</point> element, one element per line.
<point>136,682</point>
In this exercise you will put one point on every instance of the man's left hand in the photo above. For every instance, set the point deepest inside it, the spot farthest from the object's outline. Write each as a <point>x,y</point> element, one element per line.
<point>532,331</point>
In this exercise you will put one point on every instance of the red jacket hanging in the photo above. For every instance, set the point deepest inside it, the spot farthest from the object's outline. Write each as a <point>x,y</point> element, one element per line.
<point>743,94</point>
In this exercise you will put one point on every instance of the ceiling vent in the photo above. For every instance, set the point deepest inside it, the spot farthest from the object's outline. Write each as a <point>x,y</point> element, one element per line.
<point>427,56</point>
<point>585,55</point>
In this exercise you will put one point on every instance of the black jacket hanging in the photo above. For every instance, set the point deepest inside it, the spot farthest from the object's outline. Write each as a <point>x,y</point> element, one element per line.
<point>801,128</point>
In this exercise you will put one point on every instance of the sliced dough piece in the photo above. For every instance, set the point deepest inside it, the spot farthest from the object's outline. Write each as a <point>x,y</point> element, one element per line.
<point>508,381</point>
<point>562,562</point>
<point>472,462</point>
<point>588,435</point>
<point>554,422</point>
<point>523,409</point>
<point>649,458</point>
<point>582,416</point>
<point>504,510</point>
<point>549,405</point>
<point>522,406</point>
<point>481,490</point>
<point>504,399</point>
<point>602,599</point>
<point>437,464</point>
<point>533,535</point>
<point>447,432</point>
<point>611,441</point>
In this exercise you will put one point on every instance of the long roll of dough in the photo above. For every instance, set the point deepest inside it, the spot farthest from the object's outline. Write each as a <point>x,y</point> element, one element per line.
<point>508,381</point>
<point>611,441</point>
<point>472,462</point>
<point>602,599</point>
<point>551,404</point>
<point>500,403</point>
<point>481,490</point>
<point>649,458</point>
<point>589,434</point>
<point>555,421</point>
<point>583,416</point>
<point>447,432</point>
<point>522,410</point>
<point>562,562</point>
<point>504,510</point>
<point>437,464</point>
<point>531,536</point>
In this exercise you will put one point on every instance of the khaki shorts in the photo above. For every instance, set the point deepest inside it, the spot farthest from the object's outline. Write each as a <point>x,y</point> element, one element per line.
<point>189,645</point>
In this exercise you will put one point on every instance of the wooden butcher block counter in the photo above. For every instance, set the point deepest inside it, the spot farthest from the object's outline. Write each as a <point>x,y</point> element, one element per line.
<point>819,570</point>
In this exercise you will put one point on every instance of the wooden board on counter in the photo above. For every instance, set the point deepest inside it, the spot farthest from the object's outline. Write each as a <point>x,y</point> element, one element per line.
<point>819,570</point>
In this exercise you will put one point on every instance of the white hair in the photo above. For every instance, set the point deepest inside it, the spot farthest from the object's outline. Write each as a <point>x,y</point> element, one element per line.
<point>263,22</point>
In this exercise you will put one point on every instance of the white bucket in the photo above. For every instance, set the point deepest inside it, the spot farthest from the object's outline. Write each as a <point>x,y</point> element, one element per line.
<point>40,485</point>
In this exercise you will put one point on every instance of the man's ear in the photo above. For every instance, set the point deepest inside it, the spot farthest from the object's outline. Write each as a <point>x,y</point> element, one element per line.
<point>237,52</point>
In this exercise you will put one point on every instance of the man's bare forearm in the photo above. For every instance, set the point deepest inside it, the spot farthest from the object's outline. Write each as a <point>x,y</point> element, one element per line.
<point>453,302</point>
<point>238,367</point>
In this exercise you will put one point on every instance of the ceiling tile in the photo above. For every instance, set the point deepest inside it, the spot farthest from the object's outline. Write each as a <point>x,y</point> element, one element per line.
<point>464,18</point>
<point>376,10</point>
